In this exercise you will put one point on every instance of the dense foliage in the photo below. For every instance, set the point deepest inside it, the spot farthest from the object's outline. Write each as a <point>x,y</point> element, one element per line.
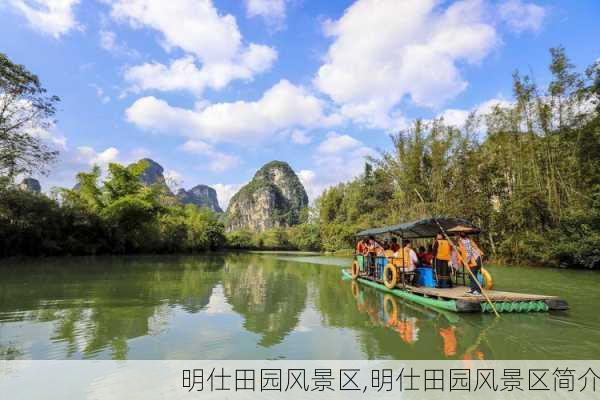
<point>528,173</point>
<point>120,216</point>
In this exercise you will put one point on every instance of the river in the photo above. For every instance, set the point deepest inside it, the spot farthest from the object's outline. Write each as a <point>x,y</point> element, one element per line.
<point>269,306</point>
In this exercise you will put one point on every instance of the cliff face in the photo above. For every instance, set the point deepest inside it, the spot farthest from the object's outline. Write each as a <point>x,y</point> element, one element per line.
<point>274,198</point>
<point>200,195</point>
<point>152,174</point>
<point>31,185</point>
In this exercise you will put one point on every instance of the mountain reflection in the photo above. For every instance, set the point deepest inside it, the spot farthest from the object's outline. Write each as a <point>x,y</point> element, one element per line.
<point>230,305</point>
<point>99,305</point>
<point>268,293</point>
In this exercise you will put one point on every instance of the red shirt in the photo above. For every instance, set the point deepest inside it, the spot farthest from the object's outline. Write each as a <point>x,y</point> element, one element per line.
<point>360,247</point>
<point>426,258</point>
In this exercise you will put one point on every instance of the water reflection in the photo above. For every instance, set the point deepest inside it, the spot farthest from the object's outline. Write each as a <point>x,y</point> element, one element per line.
<point>257,306</point>
<point>419,329</point>
<point>269,294</point>
<point>96,308</point>
<point>100,306</point>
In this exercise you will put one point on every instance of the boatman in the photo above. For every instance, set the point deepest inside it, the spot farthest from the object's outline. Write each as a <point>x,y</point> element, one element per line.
<point>373,248</point>
<point>442,253</point>
<point>471,254</point>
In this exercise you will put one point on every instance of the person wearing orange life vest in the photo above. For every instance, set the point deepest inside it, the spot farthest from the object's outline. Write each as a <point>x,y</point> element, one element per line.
<point>472,254</point>
<point>442,254</point>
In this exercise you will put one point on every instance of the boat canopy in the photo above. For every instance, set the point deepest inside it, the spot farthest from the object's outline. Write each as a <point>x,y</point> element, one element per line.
<point>423,228</point>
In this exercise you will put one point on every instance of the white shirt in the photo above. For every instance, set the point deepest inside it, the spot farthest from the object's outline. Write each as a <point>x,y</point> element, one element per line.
<point>414,260</point>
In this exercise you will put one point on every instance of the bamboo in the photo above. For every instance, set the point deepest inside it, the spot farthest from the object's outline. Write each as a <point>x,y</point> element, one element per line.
<point>462,259</point>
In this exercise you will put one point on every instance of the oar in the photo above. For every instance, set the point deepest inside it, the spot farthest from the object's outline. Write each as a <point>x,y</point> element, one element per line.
<point>466,265</point>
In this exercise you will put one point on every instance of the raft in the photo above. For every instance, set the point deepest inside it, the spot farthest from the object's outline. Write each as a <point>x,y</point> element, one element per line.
<point>455,299</point>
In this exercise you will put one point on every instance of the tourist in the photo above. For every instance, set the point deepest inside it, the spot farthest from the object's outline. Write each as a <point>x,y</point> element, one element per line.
<point>426,256</point>
<point>361,247</point>
<point>395,246</point>
<point>421,254</point>
<point>471,256</point>
<point>442,254</point>
<point>409,257</point>
<point>373,248</point>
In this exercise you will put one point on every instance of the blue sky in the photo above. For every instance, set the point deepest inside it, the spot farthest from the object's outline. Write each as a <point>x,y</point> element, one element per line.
<point>213,89</point>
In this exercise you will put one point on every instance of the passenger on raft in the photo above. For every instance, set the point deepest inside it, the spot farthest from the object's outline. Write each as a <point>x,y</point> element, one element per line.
<point>361,247</point>
<point>407,256</point>
<point>472,254</point>
<point>442,254</point>
<point>373,249</point>
<point>394,246</point>
<point>425,257</point>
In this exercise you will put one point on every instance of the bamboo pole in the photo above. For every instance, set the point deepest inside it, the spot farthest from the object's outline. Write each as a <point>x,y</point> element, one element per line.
<point>466,265</point>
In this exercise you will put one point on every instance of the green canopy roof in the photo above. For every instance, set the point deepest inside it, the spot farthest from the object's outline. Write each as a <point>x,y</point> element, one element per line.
<point>423,228</point>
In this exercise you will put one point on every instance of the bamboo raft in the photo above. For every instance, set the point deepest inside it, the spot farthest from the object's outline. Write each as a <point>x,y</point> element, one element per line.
<point>452,299</point>
<point>456,300</point>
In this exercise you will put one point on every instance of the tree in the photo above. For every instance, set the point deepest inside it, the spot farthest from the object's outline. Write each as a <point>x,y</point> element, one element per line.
<point>25,110</point>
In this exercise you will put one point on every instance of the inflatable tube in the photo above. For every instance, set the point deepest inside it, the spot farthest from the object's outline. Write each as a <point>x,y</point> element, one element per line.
<point>390,309</point>
<point>355,270</point>
<point>355,290</point>
<point>390,276</point>
<point>488,283</point>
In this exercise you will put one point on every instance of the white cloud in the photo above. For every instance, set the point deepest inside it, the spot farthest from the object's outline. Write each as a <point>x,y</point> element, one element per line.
<point>197,28</point>
<point>140,152</point>
<point>272,11</point>
<point>458,117</point>
<point>173,178</point>
<point>338,158</point>
<point>522,16</point>
<point>217,161</point>
<point>51,135</point>
<point>299,136</point>
<point>88,155</point>
<point>336,143</point>
<point>225,192</point>
<point>311,184</point>
<point>386,50</point>
<point>183,73</point>
<point>109,42</point>
<point>283,106</point>
<point>52,17</point>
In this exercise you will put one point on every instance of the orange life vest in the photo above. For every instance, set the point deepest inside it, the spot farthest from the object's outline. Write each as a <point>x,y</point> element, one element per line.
<point>444,250</point>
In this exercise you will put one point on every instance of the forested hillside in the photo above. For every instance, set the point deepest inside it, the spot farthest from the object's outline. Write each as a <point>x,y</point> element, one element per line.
<point>529,174</point>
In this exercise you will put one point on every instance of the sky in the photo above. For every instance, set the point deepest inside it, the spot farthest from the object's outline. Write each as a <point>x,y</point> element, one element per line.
<point>214,89</point>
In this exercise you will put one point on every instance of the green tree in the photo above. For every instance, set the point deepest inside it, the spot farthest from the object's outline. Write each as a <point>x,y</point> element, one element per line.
<point>25,108</point>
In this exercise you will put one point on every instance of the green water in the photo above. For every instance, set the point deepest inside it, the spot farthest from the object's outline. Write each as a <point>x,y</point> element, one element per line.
<point>269,306</point>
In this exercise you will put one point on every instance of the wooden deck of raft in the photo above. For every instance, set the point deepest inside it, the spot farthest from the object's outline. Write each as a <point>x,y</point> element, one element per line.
<point>465,303</point>
<point>458,293</point>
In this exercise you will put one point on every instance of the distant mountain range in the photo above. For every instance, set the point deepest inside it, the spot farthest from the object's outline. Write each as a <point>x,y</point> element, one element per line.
<point>274,197</point>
